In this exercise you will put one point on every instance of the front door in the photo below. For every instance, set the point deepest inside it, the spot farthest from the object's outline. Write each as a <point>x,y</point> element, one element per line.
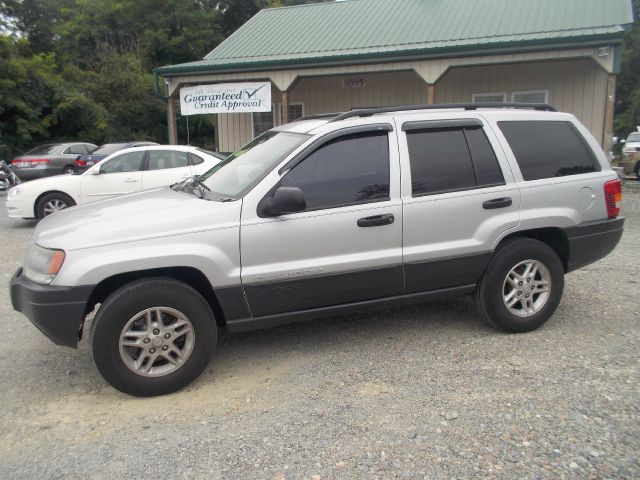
<point>118,175</point>
<point>346,246</point>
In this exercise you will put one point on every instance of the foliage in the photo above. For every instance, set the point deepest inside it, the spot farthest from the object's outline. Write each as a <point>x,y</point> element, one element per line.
<point>81,69</point>
<point>628,86</point>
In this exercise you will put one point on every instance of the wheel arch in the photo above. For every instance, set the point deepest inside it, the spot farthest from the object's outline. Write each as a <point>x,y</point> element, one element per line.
<point>48,192</point>
<point>554,237</point>
<point>189,275</point>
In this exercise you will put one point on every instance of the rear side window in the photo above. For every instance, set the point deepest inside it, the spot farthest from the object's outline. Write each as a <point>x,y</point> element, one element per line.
<point>163,159</point>
<point>348,170</point>
<point>450,159</point>
<point>195,159</point>
<point>546,149</point>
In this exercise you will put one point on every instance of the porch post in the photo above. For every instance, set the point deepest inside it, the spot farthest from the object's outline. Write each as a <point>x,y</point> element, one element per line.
<point>431,94</point>
<point>171,121</point>
<point>608,115</point>
<point>285,107</point>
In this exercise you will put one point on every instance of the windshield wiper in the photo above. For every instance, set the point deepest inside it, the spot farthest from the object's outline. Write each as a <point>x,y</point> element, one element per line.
<point>194,183</point>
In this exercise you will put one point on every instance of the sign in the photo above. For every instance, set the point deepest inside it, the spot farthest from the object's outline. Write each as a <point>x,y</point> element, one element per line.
<point>226,98</point>
<point>353,83</point>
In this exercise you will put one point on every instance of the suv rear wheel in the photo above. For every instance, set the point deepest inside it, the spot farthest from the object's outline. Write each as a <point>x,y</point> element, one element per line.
<point>521,287</point>
<point>153,337</point>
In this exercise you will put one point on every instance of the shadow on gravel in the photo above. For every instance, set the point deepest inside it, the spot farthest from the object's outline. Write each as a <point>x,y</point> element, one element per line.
<point>240,353</point>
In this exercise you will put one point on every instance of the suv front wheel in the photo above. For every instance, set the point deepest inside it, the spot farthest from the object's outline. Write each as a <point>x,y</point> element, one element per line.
<point>153,336</point>
<point>521,287</point>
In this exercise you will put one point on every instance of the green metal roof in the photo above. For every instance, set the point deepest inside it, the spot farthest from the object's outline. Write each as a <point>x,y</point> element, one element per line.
<point>357,30</point>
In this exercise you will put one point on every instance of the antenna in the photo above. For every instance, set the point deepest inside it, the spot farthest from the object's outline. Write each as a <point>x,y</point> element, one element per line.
<point>188,139</point>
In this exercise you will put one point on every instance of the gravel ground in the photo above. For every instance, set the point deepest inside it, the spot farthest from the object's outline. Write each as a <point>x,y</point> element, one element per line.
<point>425,391</point>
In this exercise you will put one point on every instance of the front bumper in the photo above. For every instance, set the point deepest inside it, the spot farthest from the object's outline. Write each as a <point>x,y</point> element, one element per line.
<point>58,312</point>
<point>591,241</point>
<point>20,208</point>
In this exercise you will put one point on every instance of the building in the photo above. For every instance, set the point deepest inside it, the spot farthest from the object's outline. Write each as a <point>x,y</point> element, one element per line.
<point>333,57</point>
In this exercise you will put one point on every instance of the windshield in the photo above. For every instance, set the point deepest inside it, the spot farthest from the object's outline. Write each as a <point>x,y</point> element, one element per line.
<point>634,137</point>
<point>241,170</point>
<point>109,148</point>
<point>43,149</point>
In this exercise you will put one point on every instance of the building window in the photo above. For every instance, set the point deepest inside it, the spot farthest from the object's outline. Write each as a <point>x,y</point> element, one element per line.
<point>531,96</point>
<point>262,121</point>
<point>296,111</point>
<point>489,97</point>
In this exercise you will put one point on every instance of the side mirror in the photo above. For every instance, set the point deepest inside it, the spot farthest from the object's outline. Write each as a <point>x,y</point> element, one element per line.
<point>95,171</point>
<point>623,141</point>
<point>285,200</point>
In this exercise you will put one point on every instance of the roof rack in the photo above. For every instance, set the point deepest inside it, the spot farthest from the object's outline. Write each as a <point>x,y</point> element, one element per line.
<point>318,116</point>
<point>367,112</point>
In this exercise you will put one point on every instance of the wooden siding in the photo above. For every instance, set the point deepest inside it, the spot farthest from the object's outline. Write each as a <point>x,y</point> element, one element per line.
<point>328,94</point>
<point>575,86</point>
<point>578,86</point>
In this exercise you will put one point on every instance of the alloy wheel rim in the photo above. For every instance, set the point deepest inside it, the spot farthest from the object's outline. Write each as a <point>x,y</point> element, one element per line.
<point>156,341</point>
<point>54,205</point>
<point>526,288</point>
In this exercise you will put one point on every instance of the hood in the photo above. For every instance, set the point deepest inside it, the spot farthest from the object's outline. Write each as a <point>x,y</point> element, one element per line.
<point>69,184</point>
<point>161,212</point>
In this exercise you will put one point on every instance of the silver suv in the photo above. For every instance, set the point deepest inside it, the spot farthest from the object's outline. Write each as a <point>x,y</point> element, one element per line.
<point>325,215</point>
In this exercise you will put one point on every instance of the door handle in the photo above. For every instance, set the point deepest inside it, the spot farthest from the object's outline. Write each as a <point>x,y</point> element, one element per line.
<point>130,180</point>
<point>497,203</point>
<point>376,220</point>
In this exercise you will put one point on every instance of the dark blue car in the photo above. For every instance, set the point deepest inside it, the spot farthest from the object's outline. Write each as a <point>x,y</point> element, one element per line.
<point>85,161</point>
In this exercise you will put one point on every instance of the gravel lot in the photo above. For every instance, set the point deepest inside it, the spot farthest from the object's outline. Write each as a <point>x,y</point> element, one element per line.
<point>419,392</point>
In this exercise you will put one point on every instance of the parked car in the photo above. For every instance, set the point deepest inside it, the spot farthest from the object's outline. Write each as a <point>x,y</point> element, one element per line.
<point>365,209</point>
<point>126,171</point>
<point>83,162</point>
<point>631,155</point>
<point>49,159</point>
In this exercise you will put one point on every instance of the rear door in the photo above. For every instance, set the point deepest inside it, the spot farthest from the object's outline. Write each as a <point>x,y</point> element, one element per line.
<point>118,175</point>
<point>459,198</point>
<point>165,167</point>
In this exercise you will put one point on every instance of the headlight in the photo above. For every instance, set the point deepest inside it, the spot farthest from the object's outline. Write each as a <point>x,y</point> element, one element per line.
<point>43,264</point>
<point>14,193</point>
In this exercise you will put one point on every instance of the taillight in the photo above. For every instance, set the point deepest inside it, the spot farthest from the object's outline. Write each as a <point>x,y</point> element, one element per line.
<point>14,162</point>
<point>81,163</point>
<point>613,197</point>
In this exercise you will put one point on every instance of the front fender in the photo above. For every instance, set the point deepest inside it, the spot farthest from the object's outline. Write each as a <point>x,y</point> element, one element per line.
<point>215,253</point>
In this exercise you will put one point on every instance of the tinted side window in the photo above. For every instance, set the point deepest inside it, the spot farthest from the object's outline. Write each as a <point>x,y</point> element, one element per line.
<point>345,171</point>
<point>548,149</point>
<point>163,159</point>
<point>440,161</point>
<point>485,162</point>
<point>127,162</point>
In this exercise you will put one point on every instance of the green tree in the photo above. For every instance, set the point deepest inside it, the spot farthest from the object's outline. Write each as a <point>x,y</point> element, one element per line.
<point>29,89</point>
<point>628,86</point>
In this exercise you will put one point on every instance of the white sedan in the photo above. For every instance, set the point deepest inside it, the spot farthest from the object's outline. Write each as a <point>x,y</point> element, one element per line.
<point>126,171</point>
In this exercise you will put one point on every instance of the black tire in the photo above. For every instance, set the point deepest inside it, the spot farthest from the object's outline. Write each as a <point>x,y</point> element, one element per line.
<point>490,290</point>
<point>128,301</point>
<point>68,170</point>
<point>41,207</point>
<point>637,170</point>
